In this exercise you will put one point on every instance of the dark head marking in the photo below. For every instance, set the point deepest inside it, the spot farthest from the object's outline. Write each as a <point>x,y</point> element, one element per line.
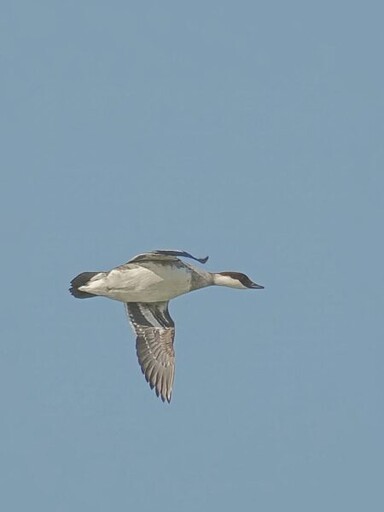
<point>244,280</point>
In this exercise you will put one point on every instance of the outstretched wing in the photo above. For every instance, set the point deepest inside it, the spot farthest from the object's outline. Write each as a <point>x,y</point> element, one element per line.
<point>155,332</point>
<point>163,255</point>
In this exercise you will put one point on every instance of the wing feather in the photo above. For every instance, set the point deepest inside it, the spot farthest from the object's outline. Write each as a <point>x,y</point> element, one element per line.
<point>164,255</point>
<point>155,331</point>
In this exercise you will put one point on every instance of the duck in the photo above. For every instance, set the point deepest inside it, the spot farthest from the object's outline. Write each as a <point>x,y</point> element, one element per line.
<point>146,284</point>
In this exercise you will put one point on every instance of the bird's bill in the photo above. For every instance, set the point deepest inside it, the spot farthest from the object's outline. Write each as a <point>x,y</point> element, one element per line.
<point>256,286</point>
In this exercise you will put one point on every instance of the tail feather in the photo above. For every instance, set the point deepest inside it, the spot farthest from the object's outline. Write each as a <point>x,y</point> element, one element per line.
<point>81,280</point>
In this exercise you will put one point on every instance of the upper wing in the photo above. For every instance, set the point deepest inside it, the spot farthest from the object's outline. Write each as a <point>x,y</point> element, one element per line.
<point>165,256</point>
<point>155,332</point>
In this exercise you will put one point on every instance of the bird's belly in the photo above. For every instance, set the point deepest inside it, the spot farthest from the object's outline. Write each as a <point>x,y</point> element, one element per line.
<point>144,285</point>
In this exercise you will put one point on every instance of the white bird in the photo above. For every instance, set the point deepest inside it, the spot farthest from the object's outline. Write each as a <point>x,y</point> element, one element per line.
<point>146,284</point>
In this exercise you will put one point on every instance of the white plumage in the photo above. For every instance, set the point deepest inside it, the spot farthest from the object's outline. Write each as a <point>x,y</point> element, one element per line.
<point>146,284</point>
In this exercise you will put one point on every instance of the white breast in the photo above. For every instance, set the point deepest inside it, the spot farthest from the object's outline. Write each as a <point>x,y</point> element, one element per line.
<point>152,283</point>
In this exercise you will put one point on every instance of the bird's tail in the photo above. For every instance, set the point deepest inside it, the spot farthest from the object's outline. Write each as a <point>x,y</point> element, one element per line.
<point>81,280</point>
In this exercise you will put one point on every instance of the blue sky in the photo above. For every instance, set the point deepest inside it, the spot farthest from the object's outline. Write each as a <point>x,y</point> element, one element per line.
<point>250,132</point>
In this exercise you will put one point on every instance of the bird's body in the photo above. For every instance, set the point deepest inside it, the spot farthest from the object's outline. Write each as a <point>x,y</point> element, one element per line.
<point>147,281</point>
<point>146,284</point>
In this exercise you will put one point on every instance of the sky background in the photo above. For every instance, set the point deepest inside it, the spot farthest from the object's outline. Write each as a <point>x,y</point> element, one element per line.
<point>248,131</point>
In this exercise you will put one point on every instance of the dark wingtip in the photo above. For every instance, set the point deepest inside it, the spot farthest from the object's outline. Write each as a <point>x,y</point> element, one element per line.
<point>165,399</point>
<point>159,394</point>
<point>182,254</point>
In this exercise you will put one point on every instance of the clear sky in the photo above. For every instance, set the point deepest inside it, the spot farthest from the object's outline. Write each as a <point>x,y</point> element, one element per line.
<point>250,132</point>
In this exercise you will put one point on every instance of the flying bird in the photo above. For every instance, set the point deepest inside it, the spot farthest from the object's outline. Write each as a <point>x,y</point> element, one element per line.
<point>146,284</point>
